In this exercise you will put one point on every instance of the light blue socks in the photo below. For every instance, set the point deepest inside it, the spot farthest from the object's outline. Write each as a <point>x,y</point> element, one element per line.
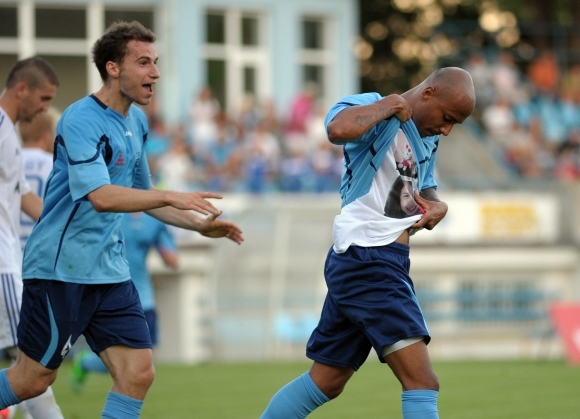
<point>420,404</point>
<point>7,397</point>
<point>295,400</point>
<point>119,406</point>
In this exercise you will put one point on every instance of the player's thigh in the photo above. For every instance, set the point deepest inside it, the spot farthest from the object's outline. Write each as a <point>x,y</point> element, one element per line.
<point>124,362</point>
<point>412,367</point>
<point>119,320</point>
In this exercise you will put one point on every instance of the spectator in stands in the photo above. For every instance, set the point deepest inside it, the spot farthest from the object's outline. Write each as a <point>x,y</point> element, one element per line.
<point>544,73</point>
<point>498,119</point>
<point>202,120</point>
<point>482,74</point>
<point>175,169</point>
<point>506,76</point>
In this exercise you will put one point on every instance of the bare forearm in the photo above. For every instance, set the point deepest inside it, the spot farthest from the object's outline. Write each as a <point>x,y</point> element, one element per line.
<point>175,217</point>
<point>430,194</point>
<point>31,204</point>
<point>353,122</point>
<point>113,198</point>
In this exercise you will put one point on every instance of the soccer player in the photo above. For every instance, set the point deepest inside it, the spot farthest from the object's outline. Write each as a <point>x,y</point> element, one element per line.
<point>142,233</point>
<point>76,277</point>
<point>37,148</point>
<point>371,300</point>
<point>29,90</point>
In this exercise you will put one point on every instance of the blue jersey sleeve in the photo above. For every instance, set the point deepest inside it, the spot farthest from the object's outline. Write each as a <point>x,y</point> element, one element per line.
<point>86,148</point>
<point>353,100</point>
<point>429,177</point>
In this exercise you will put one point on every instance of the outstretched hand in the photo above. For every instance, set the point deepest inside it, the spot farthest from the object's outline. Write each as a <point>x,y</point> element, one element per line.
<point>196,201</point>
<point>214,228</point>
<point>434,212</point>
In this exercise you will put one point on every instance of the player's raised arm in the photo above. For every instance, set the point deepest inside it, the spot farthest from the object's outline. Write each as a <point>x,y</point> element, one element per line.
<point>352,122</point>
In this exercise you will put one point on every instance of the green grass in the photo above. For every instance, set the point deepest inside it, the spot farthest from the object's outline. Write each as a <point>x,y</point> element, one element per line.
<point>469,390</point>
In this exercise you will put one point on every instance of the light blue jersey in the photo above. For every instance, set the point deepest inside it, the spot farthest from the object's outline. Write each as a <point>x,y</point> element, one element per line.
<point>363,157</point>
<point>72,242</point>
<point>142,232</point>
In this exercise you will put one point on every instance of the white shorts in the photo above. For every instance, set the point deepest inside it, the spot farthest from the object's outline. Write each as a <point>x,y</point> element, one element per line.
<point>10,302</point>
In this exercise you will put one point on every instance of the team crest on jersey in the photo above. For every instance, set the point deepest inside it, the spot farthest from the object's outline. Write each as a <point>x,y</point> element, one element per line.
<point>120,160</point>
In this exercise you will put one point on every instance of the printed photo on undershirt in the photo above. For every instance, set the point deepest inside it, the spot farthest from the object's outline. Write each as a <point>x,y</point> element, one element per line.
<point>400,200</point>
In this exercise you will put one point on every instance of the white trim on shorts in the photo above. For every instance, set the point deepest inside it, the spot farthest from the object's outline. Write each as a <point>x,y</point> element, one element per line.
<point>10,302</point>
<point>389,349</point>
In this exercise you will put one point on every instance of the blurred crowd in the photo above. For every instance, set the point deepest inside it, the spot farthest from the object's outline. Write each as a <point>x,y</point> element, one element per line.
<point>249,150</point>
<point>533,114</point>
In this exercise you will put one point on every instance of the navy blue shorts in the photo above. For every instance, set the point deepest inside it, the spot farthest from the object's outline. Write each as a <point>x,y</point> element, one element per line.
<point>370,303</point>
<point>55,313</point>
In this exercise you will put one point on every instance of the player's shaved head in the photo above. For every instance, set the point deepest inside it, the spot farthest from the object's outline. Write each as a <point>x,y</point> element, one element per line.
<point>452,83</point>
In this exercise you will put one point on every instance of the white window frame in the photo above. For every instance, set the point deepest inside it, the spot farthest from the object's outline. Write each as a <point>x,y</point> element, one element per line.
<point>323,57</point>
<point>238,56</point>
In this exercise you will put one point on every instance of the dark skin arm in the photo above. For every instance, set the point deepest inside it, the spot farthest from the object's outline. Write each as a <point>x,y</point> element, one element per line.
<point>435,209</point>
<point>353,122</point>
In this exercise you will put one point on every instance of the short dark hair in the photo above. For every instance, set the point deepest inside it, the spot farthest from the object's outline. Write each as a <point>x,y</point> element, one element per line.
<point>112,46</point>
<point>33,71</point>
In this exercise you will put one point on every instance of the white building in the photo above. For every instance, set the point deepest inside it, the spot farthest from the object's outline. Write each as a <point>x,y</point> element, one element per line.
<point>264,48</point>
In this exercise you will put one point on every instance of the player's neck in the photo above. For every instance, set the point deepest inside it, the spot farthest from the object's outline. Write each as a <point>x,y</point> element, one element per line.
<point>9,104</point>
<point>112,96</point>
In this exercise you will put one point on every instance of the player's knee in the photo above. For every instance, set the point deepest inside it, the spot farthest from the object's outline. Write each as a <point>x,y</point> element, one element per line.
<point>141,375</point>
<point>334,388</point>
<point>38,386</point>
<point>424,382</point>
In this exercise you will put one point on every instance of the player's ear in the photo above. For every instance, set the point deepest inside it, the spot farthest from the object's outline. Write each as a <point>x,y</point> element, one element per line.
<point>113,69</point>
<point>21,89</point>
<point>427,93</point>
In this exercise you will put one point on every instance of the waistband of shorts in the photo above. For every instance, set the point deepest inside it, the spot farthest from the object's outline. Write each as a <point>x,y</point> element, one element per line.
<point>400,248</point>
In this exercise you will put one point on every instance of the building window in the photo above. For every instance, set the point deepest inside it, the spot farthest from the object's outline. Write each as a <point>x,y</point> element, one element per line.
<point>144,17</point>
<point>250,30</point>
<point>250,80</point>
<point>8,21</point>
<point>216,79</point>
<point>60,23</point>
<point>215,28</point>
<point>312,34</point>
<point>235,40</point>
<point>315,55</point>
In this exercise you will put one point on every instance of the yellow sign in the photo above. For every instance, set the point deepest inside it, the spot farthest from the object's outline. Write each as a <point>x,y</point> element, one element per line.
<point>509,220</point>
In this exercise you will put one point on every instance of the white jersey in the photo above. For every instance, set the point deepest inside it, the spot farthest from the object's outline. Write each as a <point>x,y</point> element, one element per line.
<point>37,167</point>
<point>13,185</point>
<point>389,208</point>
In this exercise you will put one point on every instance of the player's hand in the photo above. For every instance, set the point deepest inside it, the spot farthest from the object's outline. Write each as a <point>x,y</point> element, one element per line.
<point>196,201</point>
<point>399,107</point>
<point>434,212</point>
<point>214,228</point>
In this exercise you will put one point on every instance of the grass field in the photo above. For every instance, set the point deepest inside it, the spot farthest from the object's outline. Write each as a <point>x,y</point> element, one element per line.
<point>469,390</point>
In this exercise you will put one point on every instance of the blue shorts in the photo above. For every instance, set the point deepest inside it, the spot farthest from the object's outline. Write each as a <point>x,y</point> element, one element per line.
<point>370,303</point>
<point>55,313</point>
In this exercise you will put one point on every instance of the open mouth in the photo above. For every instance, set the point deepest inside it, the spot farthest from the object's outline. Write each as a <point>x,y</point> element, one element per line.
<point>148,88</point>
